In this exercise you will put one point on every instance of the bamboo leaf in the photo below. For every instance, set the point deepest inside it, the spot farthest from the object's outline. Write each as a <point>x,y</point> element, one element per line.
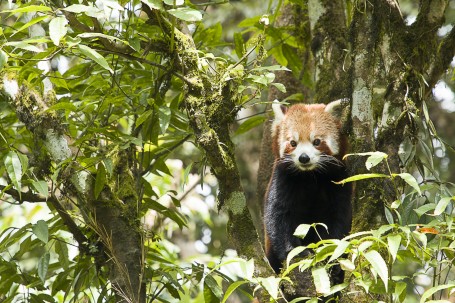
<point>250,124</point>
<point>232,287</point>
<point>379,265</point>
<point>43,266</point>
<point>29,9</point>
<point>394,244</point>
<point>321,280</point>
<point>31,22</point>
<point>361,177</point>
<point>339,250</point>
<point>428,293</point>
<point>442,205</point>
<point>95,56</point>
<point>408,178</point>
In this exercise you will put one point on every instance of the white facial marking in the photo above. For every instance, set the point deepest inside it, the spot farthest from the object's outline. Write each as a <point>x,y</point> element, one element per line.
<point>308,149</point>
<point>333,145</point>
<point>295,136</point>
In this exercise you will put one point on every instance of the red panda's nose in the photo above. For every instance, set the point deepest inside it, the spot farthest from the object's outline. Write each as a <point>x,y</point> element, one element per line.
<point>304,158</point>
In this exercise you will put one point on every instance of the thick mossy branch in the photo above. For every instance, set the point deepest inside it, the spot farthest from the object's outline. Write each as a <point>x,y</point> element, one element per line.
<point>211,103</point>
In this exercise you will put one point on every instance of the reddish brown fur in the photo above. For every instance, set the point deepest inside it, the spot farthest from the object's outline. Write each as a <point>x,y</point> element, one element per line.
<point>304,119</point>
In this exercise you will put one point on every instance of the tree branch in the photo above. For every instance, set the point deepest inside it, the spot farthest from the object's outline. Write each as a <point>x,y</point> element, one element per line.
<point>73,228</point>
<point>444,56</point>
<point>23,196</point>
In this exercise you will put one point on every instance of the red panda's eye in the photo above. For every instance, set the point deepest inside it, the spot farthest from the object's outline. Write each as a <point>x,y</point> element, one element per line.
<point>316,142</point>
<point>293,143</point>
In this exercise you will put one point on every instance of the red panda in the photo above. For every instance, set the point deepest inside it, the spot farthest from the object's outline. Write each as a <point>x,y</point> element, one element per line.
<point>308,148</point>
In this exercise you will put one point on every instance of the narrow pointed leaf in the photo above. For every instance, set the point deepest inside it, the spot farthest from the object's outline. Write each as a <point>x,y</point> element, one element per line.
<point>379,265</point>
<point>321,280</point>
<point>43,266</point>
<point>14,169</point>
<point>95,56</point>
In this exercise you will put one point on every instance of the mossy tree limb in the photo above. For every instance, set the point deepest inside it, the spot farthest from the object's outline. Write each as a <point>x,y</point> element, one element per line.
<point>211,104</point>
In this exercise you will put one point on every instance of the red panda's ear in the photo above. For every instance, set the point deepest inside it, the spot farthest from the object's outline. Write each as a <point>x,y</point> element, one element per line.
<point>335,108</point>
<point>279,110</point>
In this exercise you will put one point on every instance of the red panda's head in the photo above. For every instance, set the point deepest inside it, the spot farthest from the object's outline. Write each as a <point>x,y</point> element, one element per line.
<point>309,135</point>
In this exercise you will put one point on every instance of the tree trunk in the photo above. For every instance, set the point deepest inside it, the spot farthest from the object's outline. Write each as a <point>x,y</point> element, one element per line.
<point>364,51</point>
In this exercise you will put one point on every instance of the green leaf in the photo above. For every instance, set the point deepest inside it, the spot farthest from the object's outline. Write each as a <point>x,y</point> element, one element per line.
<point>63,105</point>
<point>400,290</point>
<point>14,169</point>
<point>379,265</point>
<point>177,2</point>
<point>374,159</point>
<point>24,45</point>
<point>61,249</point>
<point>250,123</point>
<point>232,287</point>
<point>99,35</point>
<point>321,280</point>
<point>58,29</point>
<point>346,265</point>
<point>442,205</point>
<point>212,291</point>
<point>294,252</point>
<point>408,178</point>
<point>31,22</point>
<point>186,173</point>
<point>142,118</point>
<point>164,114</point>
<point>186,14</point>
<point>239,45</point>
<point>41,187</point>
<point>95,56</point>
<point>393,242</point>
<point>302,230</point>
<point>425,208</point>
<point>375,154</point>
<point>428,293</point>
<point>41,231</point>
<point>80,8</point>
<point>3,59</point>
<point>388,215</point>
<point>154,4</point>
<point>361,177</point>
<point>100,180</point>
<point>294,61</point>
<point>43,265</point>
<point>29,9</point>
<point>271,285</point>
<point>339,250</point>
<point>280,87</point>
